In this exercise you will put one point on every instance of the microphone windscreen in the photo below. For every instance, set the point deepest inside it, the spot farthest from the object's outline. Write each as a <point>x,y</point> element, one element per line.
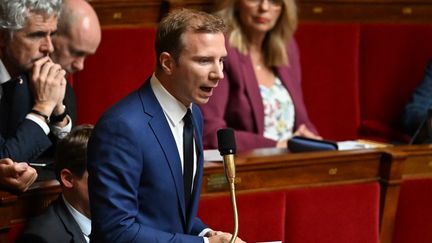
<point>226,141</point>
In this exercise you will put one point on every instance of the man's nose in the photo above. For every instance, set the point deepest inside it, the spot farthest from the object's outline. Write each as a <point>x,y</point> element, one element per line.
<point>47,45</point>
<point>78,64</point>
<point>217,73</point>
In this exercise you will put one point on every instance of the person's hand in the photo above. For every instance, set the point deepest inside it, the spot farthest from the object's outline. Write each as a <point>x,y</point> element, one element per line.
<point>16,176</point>
<point>221,237</point>
<point>282,143</point>
<point>48,85</point>
<point>305,132</point>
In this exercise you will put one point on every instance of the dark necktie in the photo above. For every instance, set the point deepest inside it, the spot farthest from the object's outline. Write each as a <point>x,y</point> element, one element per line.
<point>188,157</point>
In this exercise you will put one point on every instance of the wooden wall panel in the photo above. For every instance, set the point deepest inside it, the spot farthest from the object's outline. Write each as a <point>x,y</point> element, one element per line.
<point>149,12</point>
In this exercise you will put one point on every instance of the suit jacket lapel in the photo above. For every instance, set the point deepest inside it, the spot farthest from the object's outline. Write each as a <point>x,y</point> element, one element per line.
<point>16,102</point>
<point>253,92</point>
<point>69,222</point>
<point>162,132</point>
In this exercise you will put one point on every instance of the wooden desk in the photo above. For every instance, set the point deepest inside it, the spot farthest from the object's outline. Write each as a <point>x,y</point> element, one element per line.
<point>265,169</point>
<point>418,163</point>
<point>15,209</point>
<point>274,169</point>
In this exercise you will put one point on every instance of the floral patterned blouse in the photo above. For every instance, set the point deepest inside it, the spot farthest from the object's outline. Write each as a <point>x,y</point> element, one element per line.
<point>278,111</point>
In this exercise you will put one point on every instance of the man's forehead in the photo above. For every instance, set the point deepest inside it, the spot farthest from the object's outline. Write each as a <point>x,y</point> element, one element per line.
<point>41,20</point>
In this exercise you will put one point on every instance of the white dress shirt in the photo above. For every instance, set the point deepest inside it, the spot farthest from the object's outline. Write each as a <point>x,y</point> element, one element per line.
<point>83,222</point>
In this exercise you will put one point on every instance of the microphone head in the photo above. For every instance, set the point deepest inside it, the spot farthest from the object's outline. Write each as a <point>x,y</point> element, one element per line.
<point>226,141</point>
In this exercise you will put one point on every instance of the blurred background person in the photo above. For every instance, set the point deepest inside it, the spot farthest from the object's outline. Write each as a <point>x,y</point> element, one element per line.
<point>68,218</point>
<point>415,111</point>
<point>260,96</point>
<point>78,35</point>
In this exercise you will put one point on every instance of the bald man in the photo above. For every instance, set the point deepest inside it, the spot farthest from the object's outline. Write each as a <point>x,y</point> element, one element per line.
<point>78,35</point>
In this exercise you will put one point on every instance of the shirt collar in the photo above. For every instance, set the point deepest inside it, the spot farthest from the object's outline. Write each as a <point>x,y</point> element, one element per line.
<point>4,74</point>
<point>173,108</point>
<point>83,222</point>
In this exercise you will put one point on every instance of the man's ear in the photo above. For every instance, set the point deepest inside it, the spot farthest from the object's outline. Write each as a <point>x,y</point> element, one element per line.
<point>66,178</point>
<point>167,62</point>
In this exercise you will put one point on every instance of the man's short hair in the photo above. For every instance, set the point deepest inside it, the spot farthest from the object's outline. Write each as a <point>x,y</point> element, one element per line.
<point>14,13</point>
<point>171,29</point>
<point>71,151</point>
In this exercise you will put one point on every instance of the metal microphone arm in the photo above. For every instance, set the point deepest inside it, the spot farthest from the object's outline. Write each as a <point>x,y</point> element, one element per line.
<point>229,167</point>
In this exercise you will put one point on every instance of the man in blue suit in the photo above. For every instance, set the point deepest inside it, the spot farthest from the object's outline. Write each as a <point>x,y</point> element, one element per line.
<point>138,169</point>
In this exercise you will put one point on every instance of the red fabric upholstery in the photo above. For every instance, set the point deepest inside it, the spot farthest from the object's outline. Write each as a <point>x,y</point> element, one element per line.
<point>333,214</point>
<point>261,215</point>
<point>348,213</point>
<point>392,62</point>
<point>414,213</point>
<point>124,59</point>
<point>356,77</point>
<point>329,58</point>
<point>14,232</point>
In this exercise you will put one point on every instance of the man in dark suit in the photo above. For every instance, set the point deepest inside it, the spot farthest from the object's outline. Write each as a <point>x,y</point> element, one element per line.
<point>68,218</point>
<point>145,155</point>
<point>421,101</point>
<point>32,101</point>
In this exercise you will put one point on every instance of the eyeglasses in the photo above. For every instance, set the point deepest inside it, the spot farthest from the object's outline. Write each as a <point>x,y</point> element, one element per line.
<point>276,3</point>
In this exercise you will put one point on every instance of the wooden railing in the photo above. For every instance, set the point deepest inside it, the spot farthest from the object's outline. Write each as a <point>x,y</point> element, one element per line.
<point>274,169</point>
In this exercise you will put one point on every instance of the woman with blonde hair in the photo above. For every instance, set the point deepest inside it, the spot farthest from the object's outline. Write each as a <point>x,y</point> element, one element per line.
<point>260,96</point>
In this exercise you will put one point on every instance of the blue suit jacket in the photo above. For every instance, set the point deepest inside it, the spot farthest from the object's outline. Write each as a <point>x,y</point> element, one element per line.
<point>416,110</point>
<point>22,139</point>
<point>135,175</point>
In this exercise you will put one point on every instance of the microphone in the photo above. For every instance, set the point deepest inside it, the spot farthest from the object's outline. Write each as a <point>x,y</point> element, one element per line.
<point>227,148</point>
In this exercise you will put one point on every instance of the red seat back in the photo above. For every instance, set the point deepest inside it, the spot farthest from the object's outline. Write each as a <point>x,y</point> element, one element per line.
<point>123,61</point>
<point>392,62</point>
<point>414,213</point>
<point>329,59</point>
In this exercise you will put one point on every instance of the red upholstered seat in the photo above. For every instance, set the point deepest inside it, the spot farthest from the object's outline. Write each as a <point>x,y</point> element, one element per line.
<point>261,215</point>
<point>123,61</point>
<point>14,231</point>
<point>333,214</point>
<point>414,213</point>
<point>327,214</point>
<point>392,62</point>
<point>329,58</point>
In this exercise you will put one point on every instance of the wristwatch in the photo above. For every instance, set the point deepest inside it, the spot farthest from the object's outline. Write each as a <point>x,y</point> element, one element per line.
<point>58,118</point>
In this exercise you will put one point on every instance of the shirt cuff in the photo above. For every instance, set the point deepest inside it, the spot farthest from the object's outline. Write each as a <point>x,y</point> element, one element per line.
<point>204,232</point>
<point>39,121</point>
<point>61,132</point>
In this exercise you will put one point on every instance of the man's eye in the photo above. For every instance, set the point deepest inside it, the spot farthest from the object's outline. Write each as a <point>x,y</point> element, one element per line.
<point>203,61</point>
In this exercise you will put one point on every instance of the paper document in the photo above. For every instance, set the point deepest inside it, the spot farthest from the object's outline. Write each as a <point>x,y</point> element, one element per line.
<point>212,155</point>
<point>360,144</point>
